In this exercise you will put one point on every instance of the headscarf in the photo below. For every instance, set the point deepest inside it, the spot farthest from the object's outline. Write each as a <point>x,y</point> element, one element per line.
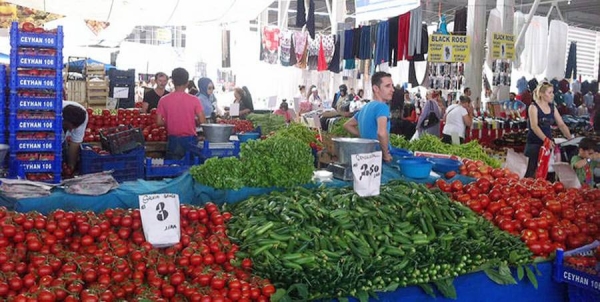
<point>204,96</point>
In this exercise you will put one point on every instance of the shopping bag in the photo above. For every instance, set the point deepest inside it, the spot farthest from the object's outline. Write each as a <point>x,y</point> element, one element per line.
<point>544,160</point>
<point>516,162</point>
<point>366,171</point>
<point>160,219</point>
<point>566,175</point>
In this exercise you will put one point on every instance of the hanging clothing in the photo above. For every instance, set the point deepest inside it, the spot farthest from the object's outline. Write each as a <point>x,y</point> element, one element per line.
<point>364,52</point>
<point>533,83</point>
<point>270,43</point>
<point>414,37</point>
<point>572,62</point>
<point>348,49</point>
<point>403,34</point>
<point>321,61</point>
<point>300,47</point>
<point>293,60</point>
<point>460,22</point>
<point>393,40</point>
<point>310,20</point>
<point>420,55</point>
<point>313,52</point>
<point>328,47</point>
<point>494,25</point>
<point>285,45</point>
<point>521,85</point>
<point>334,65</point>
<point>356,42</point>
<point>535,56</point>
<point>300,14</point>
<point>382,43</point>
<point>557,49</point>
<point>412,74</point>
<point>575,86</point>
<point>518,23</point>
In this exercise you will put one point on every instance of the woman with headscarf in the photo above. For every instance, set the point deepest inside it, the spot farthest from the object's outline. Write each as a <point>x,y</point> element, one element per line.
<point>206,96</point>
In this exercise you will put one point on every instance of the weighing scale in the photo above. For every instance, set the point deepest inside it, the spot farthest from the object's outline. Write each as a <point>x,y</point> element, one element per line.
<point>345,148</point>
<point>340,171</point>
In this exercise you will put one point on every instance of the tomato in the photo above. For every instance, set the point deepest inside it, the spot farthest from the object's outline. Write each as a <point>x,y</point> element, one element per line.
<point>554,206</point>
<point>217,283</point>
<point>535,247</point>
<point>268,290</point>
<point>529,235</point>
<point>27,27</point>
<point>456,186</point>
<point>542,234</point>
<point>558,187</point>
<point>558,234</point>
<point>568,213</point>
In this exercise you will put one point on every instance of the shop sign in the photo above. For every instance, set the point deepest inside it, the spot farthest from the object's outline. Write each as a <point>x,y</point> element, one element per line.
<point>449,48</point>
<point>503,46</point>
<point>163,35</point>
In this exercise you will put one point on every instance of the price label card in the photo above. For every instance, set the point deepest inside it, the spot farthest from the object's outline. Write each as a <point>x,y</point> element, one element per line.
<point>234,109</point>
<point>160,218</point>
<point>121,92</point>
<point>366,171</point>
<point>272,102</point>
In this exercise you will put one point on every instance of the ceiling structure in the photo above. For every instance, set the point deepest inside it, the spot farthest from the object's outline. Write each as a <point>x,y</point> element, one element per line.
<point>579,13</point>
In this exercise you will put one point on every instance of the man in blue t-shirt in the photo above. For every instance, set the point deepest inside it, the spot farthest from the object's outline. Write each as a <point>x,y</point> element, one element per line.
<point>373,120</point>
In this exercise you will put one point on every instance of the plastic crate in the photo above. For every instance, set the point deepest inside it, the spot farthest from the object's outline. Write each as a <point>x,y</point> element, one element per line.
<point>19,38</point>
<point>583,286</point>
<point>169,168</point>
<point>17,81</point>
<point>205,150</point>
<point>126,138</point>
<point>127,166</point>
<point>18,60</point>
<point>28,124</point>
<point>18,167</point>
<point>53,103</point>
<point>121,76</point>
<point>35,145</point>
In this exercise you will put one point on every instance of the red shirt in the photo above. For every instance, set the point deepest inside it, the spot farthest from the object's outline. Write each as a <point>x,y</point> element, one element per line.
<point>179,110</point>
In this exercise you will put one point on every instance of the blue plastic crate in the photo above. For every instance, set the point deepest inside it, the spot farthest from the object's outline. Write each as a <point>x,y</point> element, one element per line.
<point>17,81</point>
<point>2,76</point>
<point>18,167</point>
<point>36,61</point>
<point>205,150</point>
<point>16,124</point>
<point>18,102</point>
<point>170,168</point>
<point>127,166</point>
<point>35,145</point>
<point>587,285</point>
<point>19,38</point>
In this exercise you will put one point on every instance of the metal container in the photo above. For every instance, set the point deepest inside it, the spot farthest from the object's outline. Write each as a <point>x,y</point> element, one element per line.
<point>345,147</point>
<point>3,151</point>
<point>217,133</point>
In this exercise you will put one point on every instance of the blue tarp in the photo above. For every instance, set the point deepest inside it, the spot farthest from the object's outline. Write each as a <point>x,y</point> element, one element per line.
<point>77,66</point>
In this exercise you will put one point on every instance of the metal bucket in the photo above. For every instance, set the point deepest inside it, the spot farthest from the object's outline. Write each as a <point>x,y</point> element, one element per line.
<point>345,147</point>
<point>217,133</point>
<point>3,152</point>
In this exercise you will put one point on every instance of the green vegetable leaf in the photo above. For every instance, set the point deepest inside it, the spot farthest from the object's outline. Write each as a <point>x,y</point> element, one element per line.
<point>391,287</point>
<point>428,289</point>
<point>531,276</point>
<point>446,287</point>
<point>520,272</point>
<point>278,295</point>
<point>498,277</point>
<point>302,290</point>
<point>362,296</point>
<point>343,299</point>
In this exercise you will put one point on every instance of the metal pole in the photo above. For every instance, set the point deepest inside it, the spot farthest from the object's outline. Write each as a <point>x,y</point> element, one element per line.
<point>526,25</point>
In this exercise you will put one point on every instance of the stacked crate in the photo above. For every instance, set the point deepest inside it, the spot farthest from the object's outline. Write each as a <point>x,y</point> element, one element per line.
<point>96,86</point>
<point>2,107</point>
<point>35,104</point>
<point>123,79</point>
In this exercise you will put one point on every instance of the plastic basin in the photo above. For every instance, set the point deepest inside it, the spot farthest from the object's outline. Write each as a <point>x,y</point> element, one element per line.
<point>415,168</point>
<point>248,136</point>
<point>444,165</point>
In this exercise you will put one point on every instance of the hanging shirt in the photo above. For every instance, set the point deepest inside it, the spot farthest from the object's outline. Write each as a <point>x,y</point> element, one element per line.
<point>285,44</point>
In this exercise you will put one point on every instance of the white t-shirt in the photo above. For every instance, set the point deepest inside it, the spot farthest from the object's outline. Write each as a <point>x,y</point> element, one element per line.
<point>454,121</point>
<point>77,133</point>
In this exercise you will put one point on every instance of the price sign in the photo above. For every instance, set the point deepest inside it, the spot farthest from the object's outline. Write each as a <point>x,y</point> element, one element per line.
<point>234,109</point>
<point>160,218</point>
<point>366,171</point>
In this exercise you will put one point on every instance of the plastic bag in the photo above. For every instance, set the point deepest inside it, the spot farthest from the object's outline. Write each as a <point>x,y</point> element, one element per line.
<point>544,160</point>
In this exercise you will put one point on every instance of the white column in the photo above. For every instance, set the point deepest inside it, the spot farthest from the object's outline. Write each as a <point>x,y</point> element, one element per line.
<point>476,20</point>
<point>506,8</point>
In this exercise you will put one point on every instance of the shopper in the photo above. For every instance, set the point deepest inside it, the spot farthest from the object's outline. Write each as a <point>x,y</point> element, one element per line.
<point>152,96</point>
<point>373,120</point>
<point>75,120</point>
<point>341,98</point>
<point>359,95</point>
<point>431,105</point>
<point>180,113</point>
<point>458,117</point>
<point>585,162</point>
<point>245,105</point>
<point>409,121</point>
<point>206,89</point>
<point>314,99</point>
<point>542,115</point>
<point>191,88</point>
<point>284,110</point>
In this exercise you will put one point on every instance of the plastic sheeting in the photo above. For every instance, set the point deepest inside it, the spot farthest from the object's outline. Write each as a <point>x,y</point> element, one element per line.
<point>557,49</point>
<point>494,26</point>
<point>518,23</point>
<point>535,56</point>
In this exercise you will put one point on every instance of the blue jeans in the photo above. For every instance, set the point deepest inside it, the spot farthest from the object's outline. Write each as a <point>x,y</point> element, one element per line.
<point>177,146</point>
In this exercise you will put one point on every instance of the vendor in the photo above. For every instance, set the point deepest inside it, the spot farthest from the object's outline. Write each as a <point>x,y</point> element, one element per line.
<point>245,103</point>
<point>314,99</point>
<point>206,89</point>
<point>284,110</point>
<point>341,99</point>
<point>180,113</point>
<point>75,120</point>
<point>373,120</point>
<point>152,96</point>
<point>585,162</point>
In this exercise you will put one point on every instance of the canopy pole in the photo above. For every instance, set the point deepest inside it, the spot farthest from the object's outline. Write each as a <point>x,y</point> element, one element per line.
<point>526,25</point>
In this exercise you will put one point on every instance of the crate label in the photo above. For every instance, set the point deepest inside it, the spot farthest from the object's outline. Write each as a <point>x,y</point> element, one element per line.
<point>37,40</point>
<point>30,124</point>
<point>581,280</point>
<point>37,166</point>
<point>37,61</point>
<point>39,104</point>
<point>36,82</point>
<point>36,145</point>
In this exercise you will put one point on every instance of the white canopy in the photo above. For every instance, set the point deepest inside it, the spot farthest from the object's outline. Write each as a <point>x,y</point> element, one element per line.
<point>153,12</point>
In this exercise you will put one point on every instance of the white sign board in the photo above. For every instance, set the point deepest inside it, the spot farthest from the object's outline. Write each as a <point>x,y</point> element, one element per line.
<point>234,109</point>
<point>366,171</point>
<point>121,92</point>
<point>160,218</point>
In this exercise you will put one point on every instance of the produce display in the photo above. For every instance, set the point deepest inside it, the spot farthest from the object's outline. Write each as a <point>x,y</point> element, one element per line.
<point>302,133</point>
<point>546,215</point>
<point>239,126</point>
<point>268,122</point>
<point>429,143</point>
<point>99,119</point>
<point>277,161</point>
<point>338,128</point>
<point>354,246</point>
<point>81,256</point>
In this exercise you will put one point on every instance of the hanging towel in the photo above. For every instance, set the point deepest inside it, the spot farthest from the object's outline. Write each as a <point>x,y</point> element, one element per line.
<point>285,46</point>
<point>557,49</point>
<point>300,13</point>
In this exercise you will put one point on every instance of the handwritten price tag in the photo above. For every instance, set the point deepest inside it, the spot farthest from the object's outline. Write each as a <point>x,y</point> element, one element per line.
<point>160,218</point>
<point>366,169</point>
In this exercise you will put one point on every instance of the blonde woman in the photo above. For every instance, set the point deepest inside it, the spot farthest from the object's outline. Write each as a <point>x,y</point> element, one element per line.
<point>542,115</point>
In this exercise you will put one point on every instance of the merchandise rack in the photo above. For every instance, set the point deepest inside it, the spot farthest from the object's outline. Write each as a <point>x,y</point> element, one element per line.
<point>35,104</point>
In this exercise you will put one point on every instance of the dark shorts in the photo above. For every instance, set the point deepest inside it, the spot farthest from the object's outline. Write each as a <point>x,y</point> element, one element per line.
<point>177,146</point>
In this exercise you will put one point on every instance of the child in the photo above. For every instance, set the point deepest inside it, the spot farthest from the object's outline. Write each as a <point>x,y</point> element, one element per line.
<point>585,162</point>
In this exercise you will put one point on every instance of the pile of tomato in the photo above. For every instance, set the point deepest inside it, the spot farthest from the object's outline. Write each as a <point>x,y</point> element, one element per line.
<point>98,121</point>
<point>81,256</point>
<point>545,215</point>
<point>239,126</point>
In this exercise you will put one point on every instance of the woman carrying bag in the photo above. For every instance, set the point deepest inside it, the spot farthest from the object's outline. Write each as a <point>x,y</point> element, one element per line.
<point>429,120</point>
